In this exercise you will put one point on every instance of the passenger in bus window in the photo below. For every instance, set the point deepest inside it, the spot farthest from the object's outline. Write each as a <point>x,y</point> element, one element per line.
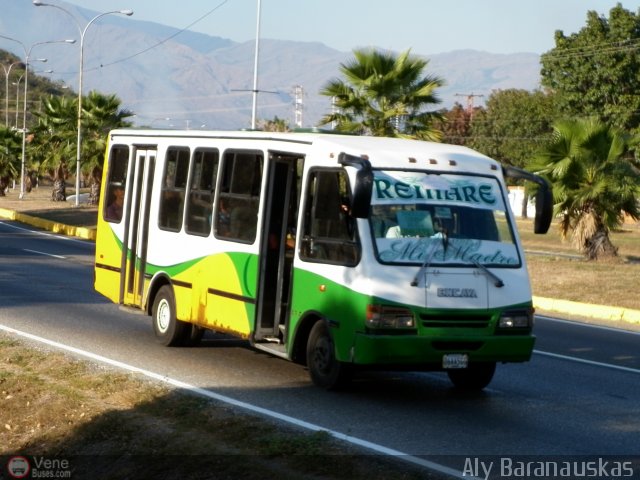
<point>114,209</point>
<point>224,218</point>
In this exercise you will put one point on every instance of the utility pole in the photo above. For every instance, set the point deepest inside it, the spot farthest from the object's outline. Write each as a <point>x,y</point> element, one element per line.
<point>298,92</point>
<point>469,97</point>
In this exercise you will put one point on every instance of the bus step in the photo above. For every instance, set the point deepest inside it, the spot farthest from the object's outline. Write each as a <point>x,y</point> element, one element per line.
<point>278,350</point>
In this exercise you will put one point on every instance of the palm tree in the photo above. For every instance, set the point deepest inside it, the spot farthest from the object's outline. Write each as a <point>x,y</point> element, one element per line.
<point>275,125</point>
<point>384,94</point>
<point>54,141</point>
<point>10,148</point>
<point>595,182</point>
<point>101,113</point>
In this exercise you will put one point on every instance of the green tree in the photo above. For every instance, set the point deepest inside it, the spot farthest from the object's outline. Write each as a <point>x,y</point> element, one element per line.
<point>512,127</point>
<point>596,71</point>
<point>101,113</point>
<point>384,94</point>
<point>595,182</point>
<point>10,150</point>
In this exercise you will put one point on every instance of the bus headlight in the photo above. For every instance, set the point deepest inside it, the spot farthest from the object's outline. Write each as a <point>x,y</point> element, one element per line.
<point>381,316</point>
<point>516,319</point>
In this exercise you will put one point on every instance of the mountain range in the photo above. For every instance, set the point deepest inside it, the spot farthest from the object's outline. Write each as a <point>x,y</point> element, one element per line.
<point>185,79</point>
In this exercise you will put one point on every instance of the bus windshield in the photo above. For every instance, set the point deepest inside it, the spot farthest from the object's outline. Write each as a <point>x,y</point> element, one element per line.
<point>438,218</point>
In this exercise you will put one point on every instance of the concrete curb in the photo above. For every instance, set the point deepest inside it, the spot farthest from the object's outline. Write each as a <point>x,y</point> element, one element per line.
<point>72,231</point>
<point>602,312</point>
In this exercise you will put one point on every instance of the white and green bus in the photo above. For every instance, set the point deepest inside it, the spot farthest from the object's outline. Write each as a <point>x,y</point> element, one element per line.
<point>337,252</point>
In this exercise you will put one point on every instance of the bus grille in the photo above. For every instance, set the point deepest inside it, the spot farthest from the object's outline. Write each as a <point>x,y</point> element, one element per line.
<point>455,321</point>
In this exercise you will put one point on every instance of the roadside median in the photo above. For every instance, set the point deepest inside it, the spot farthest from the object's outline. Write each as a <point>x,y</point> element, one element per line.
<point>49,225</point>
<point>588,310</point>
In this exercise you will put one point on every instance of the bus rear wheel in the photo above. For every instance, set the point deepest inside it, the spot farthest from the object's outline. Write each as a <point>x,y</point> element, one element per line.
<point>325,370</point>
<point>475,377</point>
<point>168,329</point>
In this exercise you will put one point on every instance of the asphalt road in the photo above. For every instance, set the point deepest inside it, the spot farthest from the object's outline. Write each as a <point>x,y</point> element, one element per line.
<point>578,396</point>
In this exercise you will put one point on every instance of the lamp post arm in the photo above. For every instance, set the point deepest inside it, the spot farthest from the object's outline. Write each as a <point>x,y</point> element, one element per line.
<point>24,47</point>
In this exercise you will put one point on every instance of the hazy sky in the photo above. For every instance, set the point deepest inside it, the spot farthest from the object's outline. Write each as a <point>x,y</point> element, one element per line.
<point>425,26</point>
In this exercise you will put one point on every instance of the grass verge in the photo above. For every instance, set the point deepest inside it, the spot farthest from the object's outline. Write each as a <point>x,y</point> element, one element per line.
<point>110,425</point>
<point>557,270</point>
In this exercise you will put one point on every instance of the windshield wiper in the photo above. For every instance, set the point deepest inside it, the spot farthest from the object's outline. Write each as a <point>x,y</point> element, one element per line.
<point>497,281</point>
<point>425,265</point>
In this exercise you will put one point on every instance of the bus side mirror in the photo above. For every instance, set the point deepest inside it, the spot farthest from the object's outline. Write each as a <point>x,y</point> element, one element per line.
<point>361,202</point>
<point>544,209</point>
<point>361,196</point>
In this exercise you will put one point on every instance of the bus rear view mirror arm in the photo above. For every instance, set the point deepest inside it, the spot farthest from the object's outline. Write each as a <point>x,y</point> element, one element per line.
<point>544,197</point>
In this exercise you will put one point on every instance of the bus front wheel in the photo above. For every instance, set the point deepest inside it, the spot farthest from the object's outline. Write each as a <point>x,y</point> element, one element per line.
<point>325,370</point>
<point>168,329</point>
<point>475,377</point>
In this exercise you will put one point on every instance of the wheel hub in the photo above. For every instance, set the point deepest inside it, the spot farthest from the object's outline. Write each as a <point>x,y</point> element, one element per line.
<point>163,316</point>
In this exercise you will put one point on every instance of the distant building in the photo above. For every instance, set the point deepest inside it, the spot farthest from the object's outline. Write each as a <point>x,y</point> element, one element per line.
<point>516,196</point>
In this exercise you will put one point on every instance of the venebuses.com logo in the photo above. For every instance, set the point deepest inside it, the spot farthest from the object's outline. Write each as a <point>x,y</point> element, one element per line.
<point>19,466</point>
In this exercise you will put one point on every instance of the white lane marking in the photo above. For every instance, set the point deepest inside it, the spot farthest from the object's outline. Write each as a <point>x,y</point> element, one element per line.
<point>47,234</point>
<point>247,406</point>
<point>587,362</point>
<point>620,329</point>
<point>43,253</point>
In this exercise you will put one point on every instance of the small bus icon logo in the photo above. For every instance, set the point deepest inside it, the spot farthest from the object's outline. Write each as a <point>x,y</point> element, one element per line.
<point>18,467</point>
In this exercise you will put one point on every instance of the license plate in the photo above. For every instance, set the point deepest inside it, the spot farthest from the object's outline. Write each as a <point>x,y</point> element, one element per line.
<point>455,360</point>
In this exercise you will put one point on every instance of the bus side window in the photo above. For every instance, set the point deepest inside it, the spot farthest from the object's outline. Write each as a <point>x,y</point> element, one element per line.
<point>329,230</point>
<point>204,170</point>
<point>174,184</point>
<point>237,208</point>
<point>116,183</point>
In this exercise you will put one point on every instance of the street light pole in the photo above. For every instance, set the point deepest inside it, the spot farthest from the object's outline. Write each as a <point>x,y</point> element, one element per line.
<point>254,109</point>
<point>18,94</point>
<point>27,54</point>
<point>17,84</point>
<point>7,72</point>
<point>82,32</point>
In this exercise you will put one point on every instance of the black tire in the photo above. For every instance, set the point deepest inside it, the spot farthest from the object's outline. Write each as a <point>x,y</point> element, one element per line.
<point>324,369</point>
<point>475,377</point>
<point>168,329</point>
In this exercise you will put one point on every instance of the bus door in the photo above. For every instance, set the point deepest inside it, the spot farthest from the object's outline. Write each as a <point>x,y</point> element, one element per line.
<point>137,227</point>
<point>277,245</point>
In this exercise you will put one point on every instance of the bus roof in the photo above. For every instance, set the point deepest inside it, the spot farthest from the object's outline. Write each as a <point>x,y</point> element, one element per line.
<point>382,152</point>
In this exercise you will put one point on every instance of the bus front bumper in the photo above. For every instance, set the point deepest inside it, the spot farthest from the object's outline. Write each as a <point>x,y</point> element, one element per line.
<point>415,351</point>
